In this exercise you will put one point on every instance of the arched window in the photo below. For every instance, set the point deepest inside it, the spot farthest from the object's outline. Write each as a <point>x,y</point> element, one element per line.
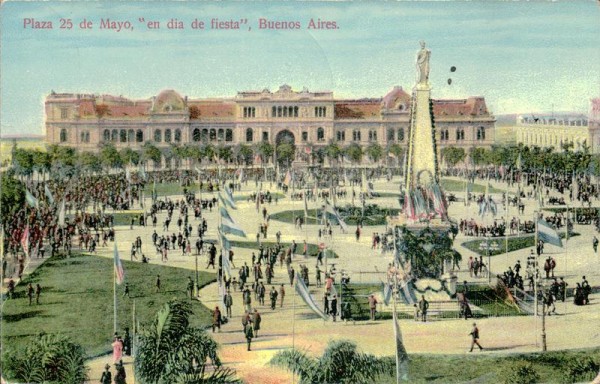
<point>87,137</point>
<point>205,134</point>
<point>356,135</point>
<point>481,133</point>
<point>114,135</point>
<point>131,136</point>
<point>82,137</point>
<point>249,135</point>
<point>274,111</point>
<point>167,135</point>
<point>178,135</point>
<point>390,135</point>
<point>460,134</point>
<point>158,135</point>
<point>139,136</point>
<point>196,135</point>
<point>320,134</point>
<point>228,135</point>
<point>221,134</point>
<point>213,134</point>
<point>63,135</point>
<point>295,111</point>
<point>400,134</point>
<point>123,136</point>
<point>106,135</point>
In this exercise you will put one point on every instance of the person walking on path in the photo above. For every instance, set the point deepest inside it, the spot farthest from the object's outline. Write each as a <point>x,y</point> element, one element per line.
<point>216,319</point>
<point>281,296</point>
<point>117,349</point>
<point>106,377</point>
<point>273,296</point>
<point>126,293</point>
<point>256,320</point>
<point>249,333</point>
<point>423,307</point>
<point>157,283</point>
<point>475,338</point>
<point>595,244</point>
<point>372,306</point>
<point>228,301</point>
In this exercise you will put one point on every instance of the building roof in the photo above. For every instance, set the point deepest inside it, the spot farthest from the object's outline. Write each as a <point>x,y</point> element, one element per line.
<point>357,109</point>
<point>473,106</point>
<point>215,110</point>
<point>396,97</point>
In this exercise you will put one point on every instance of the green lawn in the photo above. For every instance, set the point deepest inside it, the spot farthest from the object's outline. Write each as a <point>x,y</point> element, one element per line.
<point>498,245</point>
<point>313,249</point>
<point>77,300</point>
<point>451,185</point>
<point>552,367</point>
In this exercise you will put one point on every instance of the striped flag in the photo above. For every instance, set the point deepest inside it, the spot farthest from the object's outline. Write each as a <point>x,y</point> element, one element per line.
<point>302,290</point>
<point>224,213</point>
<point>332,212</point>
<point>229,226</point>
<point>547,234</point>
<point>31,200</point>
<point>119,271</point>
<point>226,200</point>
<point>48,194</point>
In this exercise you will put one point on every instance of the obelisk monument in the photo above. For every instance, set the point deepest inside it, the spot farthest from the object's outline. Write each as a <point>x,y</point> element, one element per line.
<point>422,166</point>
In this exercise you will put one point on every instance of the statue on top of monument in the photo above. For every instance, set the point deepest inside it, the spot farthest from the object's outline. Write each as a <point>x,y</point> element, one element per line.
<point>423,64</point>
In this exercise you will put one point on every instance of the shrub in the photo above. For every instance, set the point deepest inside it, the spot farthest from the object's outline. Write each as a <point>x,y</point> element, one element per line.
<point>583,369</point>
<point>520,373</point>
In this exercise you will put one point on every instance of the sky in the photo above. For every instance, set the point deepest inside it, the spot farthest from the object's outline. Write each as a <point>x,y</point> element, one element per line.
<point>522,56</point>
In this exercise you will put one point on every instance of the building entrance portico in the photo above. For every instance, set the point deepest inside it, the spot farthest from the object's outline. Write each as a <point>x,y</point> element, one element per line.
<point>286,137</point>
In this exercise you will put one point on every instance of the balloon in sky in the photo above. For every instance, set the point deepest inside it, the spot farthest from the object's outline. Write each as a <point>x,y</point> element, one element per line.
<point>453,69</point>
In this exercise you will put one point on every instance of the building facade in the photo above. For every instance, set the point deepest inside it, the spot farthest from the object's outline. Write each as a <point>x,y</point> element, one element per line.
<point>553,130</point>
<point>302,118</point>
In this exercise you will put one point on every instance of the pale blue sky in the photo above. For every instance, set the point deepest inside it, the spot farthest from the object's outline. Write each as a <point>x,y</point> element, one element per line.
<point>521,56</point>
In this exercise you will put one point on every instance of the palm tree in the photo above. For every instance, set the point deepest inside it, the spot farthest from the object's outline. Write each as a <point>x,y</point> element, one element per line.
<point>354,152</point>
<point>244,153</point>
<point>374,151</point>
<point>48,358</point>
<point>170,351</point>
<point>340,363</point>
<point>151,152</point>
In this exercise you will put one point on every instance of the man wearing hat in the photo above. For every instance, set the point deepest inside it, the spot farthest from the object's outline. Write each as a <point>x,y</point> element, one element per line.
<point>249,332</point>
<point>120,375</point>
<point>106,377</point>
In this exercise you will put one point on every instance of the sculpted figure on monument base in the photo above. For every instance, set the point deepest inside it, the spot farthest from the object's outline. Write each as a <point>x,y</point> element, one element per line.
<point>423,64</point>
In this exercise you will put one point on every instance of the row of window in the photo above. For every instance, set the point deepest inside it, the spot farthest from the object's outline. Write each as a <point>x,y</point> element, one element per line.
<point>460,134</point>
<point>249,112</point>
<point>212,134</point>
<point>284,111</point>
<point>130,136</point>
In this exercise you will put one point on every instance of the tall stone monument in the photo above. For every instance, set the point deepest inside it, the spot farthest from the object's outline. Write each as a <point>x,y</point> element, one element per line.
<point>421,167</point>
<point>422,231</point>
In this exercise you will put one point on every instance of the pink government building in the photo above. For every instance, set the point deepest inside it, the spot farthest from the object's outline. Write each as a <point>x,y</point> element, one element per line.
<point>303,118</point>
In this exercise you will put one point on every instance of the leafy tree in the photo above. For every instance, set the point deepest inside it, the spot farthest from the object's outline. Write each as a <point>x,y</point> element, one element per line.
<point>110,156</point>
<point>23,161</point>
<point>340,363</point>
<point>12,195</point>
<point>286,153</point>
<point>41,161</point>
<point>354,152</point>
<point>479,156</point>
<point>90,162</point>
<point>129,156</point>
<point>170,351</point>
<point>244,153</point>
<point>374,151</point>
<point>453,155</point>
<point>396,150</point>
<point>151,153</point>
<point>208,152</point>
<point>333,151</point>
<point>266,149</point>
<point>225,153</point>
<point>48,359</point>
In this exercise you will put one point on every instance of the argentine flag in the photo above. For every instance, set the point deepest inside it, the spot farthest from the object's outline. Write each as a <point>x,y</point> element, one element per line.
<point>547,234</point>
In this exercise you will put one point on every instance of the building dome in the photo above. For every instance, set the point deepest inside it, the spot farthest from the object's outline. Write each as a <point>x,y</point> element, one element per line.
<point>168,101</point>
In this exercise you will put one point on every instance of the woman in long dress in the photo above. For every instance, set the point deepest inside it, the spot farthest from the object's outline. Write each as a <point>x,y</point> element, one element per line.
<point>117,349</point>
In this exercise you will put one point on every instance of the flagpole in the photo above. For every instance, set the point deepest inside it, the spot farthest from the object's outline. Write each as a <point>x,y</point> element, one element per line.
<point>114,298</point>
<point>535,276</point>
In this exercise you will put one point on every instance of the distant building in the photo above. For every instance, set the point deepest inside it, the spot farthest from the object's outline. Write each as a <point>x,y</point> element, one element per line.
<point>594,124</point>
<point>302,118</point>
<point>553,130</point>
